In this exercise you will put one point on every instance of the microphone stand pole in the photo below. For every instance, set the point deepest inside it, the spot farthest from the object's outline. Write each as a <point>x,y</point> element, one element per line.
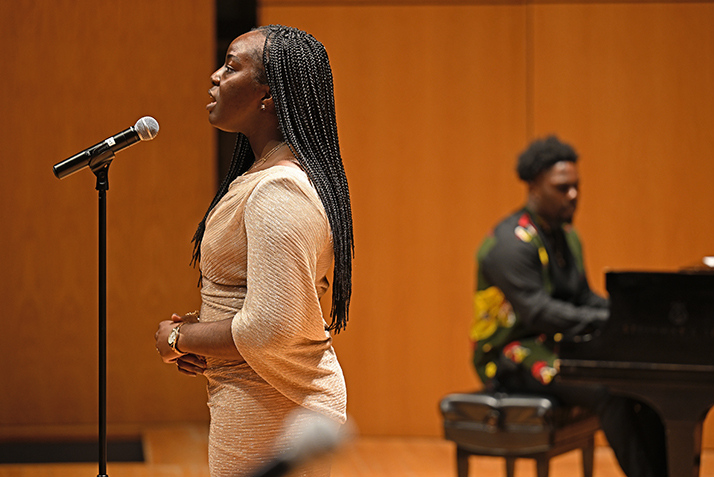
<point>100,168</point>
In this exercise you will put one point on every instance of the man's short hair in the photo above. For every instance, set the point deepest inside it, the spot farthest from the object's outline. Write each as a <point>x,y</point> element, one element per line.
<point>541,154</point>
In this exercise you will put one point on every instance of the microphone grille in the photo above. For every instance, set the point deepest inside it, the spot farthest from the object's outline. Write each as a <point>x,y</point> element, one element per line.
<point>312,435</point>
<point>147,128</point>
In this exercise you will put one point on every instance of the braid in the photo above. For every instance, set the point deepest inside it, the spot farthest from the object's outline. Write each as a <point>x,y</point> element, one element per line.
<point>243,158</point>
<point>300,79</point>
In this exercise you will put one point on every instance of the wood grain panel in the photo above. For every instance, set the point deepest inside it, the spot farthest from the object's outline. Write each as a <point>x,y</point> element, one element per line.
<point>631,87</point>
<point>74,73</point>
<point>434,103</point>
<point>430,106</point>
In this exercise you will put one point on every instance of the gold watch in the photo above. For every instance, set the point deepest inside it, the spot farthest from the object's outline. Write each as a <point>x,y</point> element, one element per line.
<point>174,337</point>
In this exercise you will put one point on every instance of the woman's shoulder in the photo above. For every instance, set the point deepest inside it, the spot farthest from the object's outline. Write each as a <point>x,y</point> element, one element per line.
<point>283,178</point>
<point>278,183</point>
<point>285,195</point>
<point>273,177</point>
<point>283,172</point>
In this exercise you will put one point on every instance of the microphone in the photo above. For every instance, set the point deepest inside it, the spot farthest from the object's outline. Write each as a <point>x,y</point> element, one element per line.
<point>320,435</point>
<point>145,129</point>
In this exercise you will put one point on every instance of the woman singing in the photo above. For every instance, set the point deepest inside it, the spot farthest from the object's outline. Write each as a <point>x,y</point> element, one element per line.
<point>265,246</point>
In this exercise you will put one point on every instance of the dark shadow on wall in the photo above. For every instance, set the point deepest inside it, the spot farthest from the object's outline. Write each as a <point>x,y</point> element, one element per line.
<point>233,18</point>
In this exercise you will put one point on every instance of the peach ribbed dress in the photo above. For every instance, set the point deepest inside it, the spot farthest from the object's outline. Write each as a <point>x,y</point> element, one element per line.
<point>264,257</point>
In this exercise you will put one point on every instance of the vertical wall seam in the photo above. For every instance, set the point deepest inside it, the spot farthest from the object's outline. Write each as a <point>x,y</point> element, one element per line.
<point>530,73</point>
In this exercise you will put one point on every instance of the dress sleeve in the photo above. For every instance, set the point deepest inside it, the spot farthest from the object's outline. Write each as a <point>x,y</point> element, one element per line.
<point>515,268</point>
<point>280,331</point>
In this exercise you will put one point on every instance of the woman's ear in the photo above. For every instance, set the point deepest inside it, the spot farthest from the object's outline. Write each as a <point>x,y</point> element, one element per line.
<point>266,102</point>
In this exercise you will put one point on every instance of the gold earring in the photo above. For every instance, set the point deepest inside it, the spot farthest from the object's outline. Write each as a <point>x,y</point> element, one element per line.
<point>262,107</point>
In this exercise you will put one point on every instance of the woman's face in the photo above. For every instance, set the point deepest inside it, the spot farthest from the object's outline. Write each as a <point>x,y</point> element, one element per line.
<point>236,96</point>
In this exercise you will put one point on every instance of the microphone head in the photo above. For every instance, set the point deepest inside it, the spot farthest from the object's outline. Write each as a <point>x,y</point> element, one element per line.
<point>317,435</point>
<point>320,435</point>
<point>147,128</point>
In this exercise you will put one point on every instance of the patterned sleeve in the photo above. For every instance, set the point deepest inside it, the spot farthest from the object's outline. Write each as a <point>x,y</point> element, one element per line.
<point>515,268</point>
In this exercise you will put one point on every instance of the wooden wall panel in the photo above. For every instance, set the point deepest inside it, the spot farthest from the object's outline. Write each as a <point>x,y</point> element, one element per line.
<point>430,107</point>
<point>435,102</point>
<point>632,86</point>
<point>74,73</point>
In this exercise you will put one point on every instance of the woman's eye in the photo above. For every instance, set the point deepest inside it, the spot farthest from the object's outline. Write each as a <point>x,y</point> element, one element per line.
<point>228,69</point>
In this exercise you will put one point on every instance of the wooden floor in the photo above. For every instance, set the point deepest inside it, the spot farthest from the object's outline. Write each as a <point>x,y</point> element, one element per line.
<point>180,451</point>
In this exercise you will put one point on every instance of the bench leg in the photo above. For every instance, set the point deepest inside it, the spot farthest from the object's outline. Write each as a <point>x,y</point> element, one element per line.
<point>588,457</point>
<point>510,466</point>
<point>542,466</point>
<point>462,462</point>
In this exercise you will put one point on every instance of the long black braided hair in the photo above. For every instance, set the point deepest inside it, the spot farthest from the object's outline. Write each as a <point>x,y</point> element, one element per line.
<point>297,70</point>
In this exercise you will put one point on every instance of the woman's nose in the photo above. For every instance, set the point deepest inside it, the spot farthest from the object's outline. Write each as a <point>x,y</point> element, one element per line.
<point>216,76</point>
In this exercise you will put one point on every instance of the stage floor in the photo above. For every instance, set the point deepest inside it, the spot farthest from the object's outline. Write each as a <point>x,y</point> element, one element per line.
<point>180,451</point>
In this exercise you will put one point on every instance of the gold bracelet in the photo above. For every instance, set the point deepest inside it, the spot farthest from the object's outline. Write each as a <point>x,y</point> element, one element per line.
<point>195,313</point>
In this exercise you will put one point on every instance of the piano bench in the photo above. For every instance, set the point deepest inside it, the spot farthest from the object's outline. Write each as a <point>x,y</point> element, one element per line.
<point>516,426</point>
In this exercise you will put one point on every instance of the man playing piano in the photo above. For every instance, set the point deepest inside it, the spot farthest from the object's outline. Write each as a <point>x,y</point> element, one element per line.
<point>532,293</point>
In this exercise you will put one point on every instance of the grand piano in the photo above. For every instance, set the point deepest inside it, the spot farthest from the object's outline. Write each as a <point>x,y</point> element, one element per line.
<point>658,347</point>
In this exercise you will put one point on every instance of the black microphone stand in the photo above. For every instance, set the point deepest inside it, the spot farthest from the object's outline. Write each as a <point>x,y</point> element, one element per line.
<point>100,168</point>
<point>98,158</point>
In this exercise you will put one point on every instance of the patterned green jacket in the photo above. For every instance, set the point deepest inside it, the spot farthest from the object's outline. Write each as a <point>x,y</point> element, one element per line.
<point>531,292</point>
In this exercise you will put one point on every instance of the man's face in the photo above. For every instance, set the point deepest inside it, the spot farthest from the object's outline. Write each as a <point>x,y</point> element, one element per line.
<point>554,193</point>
